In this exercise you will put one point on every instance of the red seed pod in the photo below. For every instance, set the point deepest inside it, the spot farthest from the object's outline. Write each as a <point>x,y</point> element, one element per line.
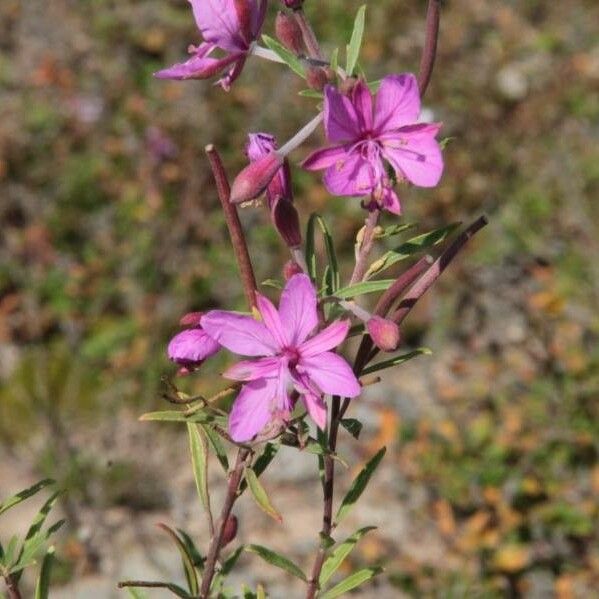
<point>288,33</point>
<point>384,333</point>
<point>293,4</point>
<point>255,177</point>
<point>230,531</point>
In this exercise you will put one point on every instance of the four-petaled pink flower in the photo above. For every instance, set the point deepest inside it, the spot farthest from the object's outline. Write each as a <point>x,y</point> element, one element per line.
<point>289,356</point>
<point>230,25</point>
<point>367,132</point>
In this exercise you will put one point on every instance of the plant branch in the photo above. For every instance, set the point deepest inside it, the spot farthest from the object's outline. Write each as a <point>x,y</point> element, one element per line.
<point>429,52</point>
<point>12,587</point>
<point>234,225</point>
<point>365,246</point>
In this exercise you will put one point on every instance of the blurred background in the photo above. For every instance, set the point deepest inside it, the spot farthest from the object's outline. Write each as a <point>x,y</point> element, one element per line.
<point>111,230</point>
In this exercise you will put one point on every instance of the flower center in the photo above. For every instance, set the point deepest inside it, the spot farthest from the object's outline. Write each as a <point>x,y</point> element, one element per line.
<point>292,356</point>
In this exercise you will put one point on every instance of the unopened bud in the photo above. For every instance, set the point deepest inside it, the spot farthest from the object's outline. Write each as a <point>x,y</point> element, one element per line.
<point>191,319</point>
<point>230,531</point>
<point>255,177</point>
<point>291,268</point>
<point>293,4</point>
<point>384,333</point>
<point>286,220</point>
<point>288,33</point>
<point>316,78</point>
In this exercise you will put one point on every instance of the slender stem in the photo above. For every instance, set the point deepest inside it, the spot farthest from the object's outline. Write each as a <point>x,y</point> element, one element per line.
<point>12,587</point>
<point>234,225</point>
<point>429,52</point>
<point>216,542</point>
<point>310,40</point>
<point>367,242</point>
<point>301,136</point>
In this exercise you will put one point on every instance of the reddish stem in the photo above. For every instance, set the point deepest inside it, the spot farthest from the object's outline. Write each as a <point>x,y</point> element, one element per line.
<point>429,52</point>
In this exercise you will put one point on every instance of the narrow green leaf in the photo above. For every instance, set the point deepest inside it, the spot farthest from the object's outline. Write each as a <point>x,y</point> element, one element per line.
<point>311,93</point>
<point>333,277</point>
<point>359,484</point>
<point>355,42</point>
<point>409,248</point>
<point>219,450</point>
<point>337,557</point>
<point>203,417</point>
<point>290,59</point>
<point>272,283</point>
<point>42,588</point>
<point>22,495</point>
<point>397,360</point>
<point>187,560</point>
<point>175,589</point>
<point>352,426</point>
<point>196,556</point>
<point>10,554</point>
<point>230,562</point>
<point>363,288</point>
<point>373,86</point>
<point>32,547</point>
<point>260,495</point>
<point>136,593</point>
<point>265,458</point>
<point>276,560</point>
<point>394,230</point>
<point>199,459</point>
<point>335,60</point>
<point>351,582</point>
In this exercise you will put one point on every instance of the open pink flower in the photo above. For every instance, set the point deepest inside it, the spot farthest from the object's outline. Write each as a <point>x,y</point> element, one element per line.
<point>193,345</point>
<point>230,25</point>
<point>288,356</point>
<point>367,132</point>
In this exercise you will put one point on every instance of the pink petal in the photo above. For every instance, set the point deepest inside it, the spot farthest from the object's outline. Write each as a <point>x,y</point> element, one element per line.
<point>397,102</point>
<point>271,320</point>
<point>218,22</point>
<point>327,339</point>
<point>191,345</point>
<point>362,100</point>
<point>390,201</point>
<point>252,410</point>
<point>250,370</point>
<point>197,67</point>
<point>352,176</point>
<point>332,374</point>
<point>324,158</point>
<point>415,153</point>
<point>239,333</point>
<point>316,408</point>
<point>297,308</point>
<point>340,120</point>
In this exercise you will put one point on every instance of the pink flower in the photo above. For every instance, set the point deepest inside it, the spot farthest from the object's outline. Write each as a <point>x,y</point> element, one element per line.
<point>230,25</point>
<point>192,346</point>
<point>367,132</point>
<point>288,356</point>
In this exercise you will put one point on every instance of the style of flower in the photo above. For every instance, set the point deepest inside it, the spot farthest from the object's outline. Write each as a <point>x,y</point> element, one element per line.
<point>192,346</point>
<point>367,132</point>
<point>290,356</point>
<point>229,25</point>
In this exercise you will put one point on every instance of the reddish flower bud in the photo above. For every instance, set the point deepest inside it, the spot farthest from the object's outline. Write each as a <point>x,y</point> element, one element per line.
<point>316,78</point>
<point>286,220</point>
<point>291,268</point>
<point>293,4</point>
<point>288,33</point>
<point>255,177</point>
<point>230,531</point>
<point>384,333</point>
<point>191,319</point>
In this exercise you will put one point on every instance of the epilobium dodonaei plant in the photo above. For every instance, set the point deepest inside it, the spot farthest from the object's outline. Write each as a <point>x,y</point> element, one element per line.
<point>295,380</point>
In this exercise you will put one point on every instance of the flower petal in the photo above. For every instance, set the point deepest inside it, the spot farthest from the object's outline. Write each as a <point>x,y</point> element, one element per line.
<point>390,201</point>
<point>317,409</point>
<point>397,102</point>
<point>362,101</point>
<point>250,370</point>
<point>218,22</point>
<point>327,339</point>
<point>297,308</point>
<point>199,66</point>
<point>332,374</point>
<point>252,410</point>
<point>415,153</point>
<point>324,158</point>
<point>271,320</point>
<point>340,120</point>
<point>239,333</point>
<point>191,345</point>
<point>352,176</point>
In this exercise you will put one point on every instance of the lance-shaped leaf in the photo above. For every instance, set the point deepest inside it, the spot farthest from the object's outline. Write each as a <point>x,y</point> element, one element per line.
<point>260,495</point>
<point>201,416</point>
<point>352,426</point>
<point>363,288</point>
<point>199,461</point>
<point>311,93</point>
<point>277,560</point>
<point>289,58</point>
<point>188,566</point>
<point>393,230</point>
<point>397,360</point>
<point>409,248</point>
<point>262,462</point>
<point>136,593</point>
<point>351,582</point>
<point>359,484</point>
<point>42,587</point>
<point>175,589</point>
<point>192,550</point>
<point>32,547</point>
<point>219,450</point>
<point>22,495</point>
<point>333,274</point>
<point>338,556</point>
<point>355,42</point>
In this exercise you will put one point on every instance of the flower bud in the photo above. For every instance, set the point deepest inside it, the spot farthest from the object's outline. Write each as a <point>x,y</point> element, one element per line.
<point>384,333</point>
<point>191,319</point>
<point>288,33</point>
<point>291,268</point>
<point>255,177</point>
<point>230,530</point>
<point>286,220</point>
<point>293,4</point>
<point>316,78</point>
